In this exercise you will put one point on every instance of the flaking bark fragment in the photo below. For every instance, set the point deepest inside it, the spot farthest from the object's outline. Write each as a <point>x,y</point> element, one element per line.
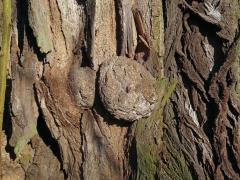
<point>39,21</point>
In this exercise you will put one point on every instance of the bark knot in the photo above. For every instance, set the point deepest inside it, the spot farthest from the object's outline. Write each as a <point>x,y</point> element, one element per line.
<point>127,89</point>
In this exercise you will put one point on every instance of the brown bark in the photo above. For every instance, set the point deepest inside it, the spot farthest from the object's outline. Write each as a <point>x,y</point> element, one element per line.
<point>204,108</point>
<point>53,129</point>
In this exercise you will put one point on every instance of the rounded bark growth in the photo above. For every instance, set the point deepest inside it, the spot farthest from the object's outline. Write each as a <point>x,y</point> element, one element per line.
<point>127,89</point>
<point>83,85</point>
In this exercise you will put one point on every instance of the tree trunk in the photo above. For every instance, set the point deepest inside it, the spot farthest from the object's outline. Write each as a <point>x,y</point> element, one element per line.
<point>55,122</point>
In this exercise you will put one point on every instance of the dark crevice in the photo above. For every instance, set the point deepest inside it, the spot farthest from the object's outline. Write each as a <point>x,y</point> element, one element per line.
<point>133,158</point>
<point>208,127</point>
<point>47,138</point>
<point>7,124</point>
<point>220,57</point>
<point>89,14</point>
<point>212,112</point>
<point>231,120</point>
<point>221,89</point>
<point>25,29</point>
<point>199,152</point>
<point>192,169</point>
<point>230,152</point>
<point>164,6</point>
<point>80,51</point>
<point>33,44</point>
<point>178,119</point>
<point>22,8</point>
<point>207,166</point>
<point>209,31</point>
<point>119,27</point>
<point>45,134</point>
<point>130,153</point>
<point>211,106</point>
<point>82,136</point>
<point>7,121</point>
<point>233,110</point>
<point>231,78</point>
<point>80,55</point>
<point>209,27</point>
<point>85,60</point>
<point>225,177</point>
<point>81,2</point>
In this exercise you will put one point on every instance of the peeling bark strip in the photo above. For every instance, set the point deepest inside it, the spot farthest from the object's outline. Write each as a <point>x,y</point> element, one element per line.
<point>38,13</point>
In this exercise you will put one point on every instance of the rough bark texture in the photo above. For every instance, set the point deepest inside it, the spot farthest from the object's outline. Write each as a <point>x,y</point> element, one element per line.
<point>56,124</point>
<point>126,89</point>
<point>202,120</point>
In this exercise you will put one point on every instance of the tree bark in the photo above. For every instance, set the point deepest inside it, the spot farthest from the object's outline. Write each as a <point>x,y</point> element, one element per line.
<point>193,133</point>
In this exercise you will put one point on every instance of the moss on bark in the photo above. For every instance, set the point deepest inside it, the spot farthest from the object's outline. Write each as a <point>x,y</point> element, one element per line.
<point>4,56</point>
<point>148,134</point>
